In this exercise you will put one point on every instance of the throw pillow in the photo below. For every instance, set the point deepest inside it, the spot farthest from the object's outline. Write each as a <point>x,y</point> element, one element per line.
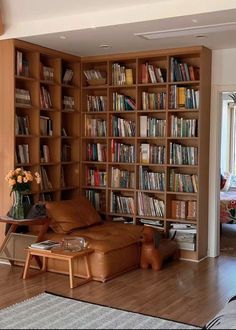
<point>68,215</point>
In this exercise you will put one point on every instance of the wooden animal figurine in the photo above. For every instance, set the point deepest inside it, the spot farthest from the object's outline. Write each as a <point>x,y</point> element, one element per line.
<point>155,249</point>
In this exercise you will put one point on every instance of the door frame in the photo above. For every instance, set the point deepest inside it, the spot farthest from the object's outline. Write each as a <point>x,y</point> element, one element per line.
<point>214,168</point>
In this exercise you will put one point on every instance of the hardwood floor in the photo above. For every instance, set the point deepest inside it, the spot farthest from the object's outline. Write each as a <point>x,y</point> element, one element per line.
<point>183,291</point>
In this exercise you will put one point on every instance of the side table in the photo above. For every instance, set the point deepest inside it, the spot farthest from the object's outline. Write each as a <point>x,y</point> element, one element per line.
<point>25,222</point>
<point>59,254</point>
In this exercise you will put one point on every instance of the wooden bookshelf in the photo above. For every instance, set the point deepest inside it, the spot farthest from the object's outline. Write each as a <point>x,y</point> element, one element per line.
<point>110,133</point>
<point>179,125</point>
<point>33,89</point>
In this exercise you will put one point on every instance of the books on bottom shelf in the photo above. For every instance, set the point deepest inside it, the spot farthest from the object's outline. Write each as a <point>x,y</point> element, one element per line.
<point>45,245</point>
<point>185,235</point>
<point>123,220</point>
<point>153,223</point>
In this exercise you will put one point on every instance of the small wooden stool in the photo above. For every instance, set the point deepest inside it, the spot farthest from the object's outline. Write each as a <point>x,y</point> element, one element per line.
<point>59,254</point>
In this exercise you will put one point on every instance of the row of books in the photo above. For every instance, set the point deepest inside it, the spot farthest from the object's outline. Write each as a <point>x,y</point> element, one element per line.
<point>22,96</point>
<point>95,177</point>
<point>185,235</point>
<point>154,101</point>
<point>182,71</point>
<point>181,209</point>
<point>151,73</point>
<point>95,198</point>
<point>93,74</point>
<point>44,153</point>
<point>121,75</point>
<point>45,98</point>
<point>96,152</point>
<point>22,125</point>
<point>68,102</point>
<point>122,178</point>
<point>46,128</point>
<point>183,155</point>
<point>66,153</point>
<point>183,97</point>
<point>45,183</point>
<point>182,127</point>
<point>152,154</point>
<point>22,64</point>
<point>152,127</point>
<point>47,73</point>
<point>122,127</point>
<point>180,182</point>
<point>123,102</point>
<point>149,180</point>
<point>96,103</point>
<point>95,127</point>
<point>153,223</point>
<point>22,154</point>
<point>150,206</point>
<point>67,77</point>
<point>122,153</point>
<point>122,204</point>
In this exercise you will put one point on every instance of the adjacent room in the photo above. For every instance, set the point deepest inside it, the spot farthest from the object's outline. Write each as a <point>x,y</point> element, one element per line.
<point>118,164</point>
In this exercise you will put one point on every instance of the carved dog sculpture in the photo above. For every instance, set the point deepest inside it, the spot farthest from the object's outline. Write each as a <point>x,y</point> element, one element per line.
<point>155,249</point>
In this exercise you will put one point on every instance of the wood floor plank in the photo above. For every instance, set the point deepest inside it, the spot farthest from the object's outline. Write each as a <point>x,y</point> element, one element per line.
<point>183,291</point>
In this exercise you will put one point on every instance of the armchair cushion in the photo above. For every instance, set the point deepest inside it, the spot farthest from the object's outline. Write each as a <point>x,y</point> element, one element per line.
<point>71,214</point>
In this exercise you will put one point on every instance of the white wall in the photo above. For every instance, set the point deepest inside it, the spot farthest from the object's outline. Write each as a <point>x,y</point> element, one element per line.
<point>223,79</point>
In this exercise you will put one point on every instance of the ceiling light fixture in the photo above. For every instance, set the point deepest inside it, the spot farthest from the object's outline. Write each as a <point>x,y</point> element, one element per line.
<point>188,31</point>
<point>104,46</point>
<point>62,37</point>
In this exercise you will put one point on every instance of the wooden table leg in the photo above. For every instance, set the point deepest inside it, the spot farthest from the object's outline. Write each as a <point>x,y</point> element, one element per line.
<point>43,230</point>
<point>27,264</point>
<point>71,273</point>
<point>87,266</point>
<point>12,229</point>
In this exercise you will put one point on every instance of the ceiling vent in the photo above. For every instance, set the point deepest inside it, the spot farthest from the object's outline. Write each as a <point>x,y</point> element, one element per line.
<point>188,31</point>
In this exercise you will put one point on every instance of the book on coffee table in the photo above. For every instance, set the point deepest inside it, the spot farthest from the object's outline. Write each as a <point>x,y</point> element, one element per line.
<point>45,245</point>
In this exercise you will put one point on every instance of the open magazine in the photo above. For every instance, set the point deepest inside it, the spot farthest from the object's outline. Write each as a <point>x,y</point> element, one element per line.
<point>45,245</point>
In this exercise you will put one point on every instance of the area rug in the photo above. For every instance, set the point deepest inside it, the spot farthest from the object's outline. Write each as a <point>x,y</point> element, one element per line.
<point>48,311</point>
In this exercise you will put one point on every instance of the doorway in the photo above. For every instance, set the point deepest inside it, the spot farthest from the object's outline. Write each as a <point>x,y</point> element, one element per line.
<point>227,202</point>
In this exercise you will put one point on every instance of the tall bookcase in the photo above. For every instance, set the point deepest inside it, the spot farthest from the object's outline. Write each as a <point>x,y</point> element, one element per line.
<point>40,119</point>
<point>129,131</point>
<point>153,155</point>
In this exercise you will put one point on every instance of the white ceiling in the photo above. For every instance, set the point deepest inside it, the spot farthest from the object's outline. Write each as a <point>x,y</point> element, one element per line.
<point>44,22</point>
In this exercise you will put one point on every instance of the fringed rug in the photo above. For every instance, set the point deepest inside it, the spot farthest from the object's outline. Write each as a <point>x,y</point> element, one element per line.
<point>48,311</point>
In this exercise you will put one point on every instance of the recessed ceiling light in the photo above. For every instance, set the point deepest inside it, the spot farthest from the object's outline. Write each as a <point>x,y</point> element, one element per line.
<point>62,37</point>
<point>93,27</point>
<point>201,36</point>
<point>104,46</point>
<point>194,20</point>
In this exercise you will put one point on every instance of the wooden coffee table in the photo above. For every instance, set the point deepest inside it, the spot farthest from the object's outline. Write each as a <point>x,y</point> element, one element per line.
<point>59,254</point>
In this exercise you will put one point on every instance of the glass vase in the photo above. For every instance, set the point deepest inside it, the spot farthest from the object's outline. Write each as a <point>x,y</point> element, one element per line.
<point>18,207</point>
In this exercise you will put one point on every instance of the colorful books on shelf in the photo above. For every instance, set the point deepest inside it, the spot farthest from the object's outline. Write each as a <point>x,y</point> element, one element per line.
<point>182,209</point>
<point>152,127</point>
<point>121,75</point>
<point>96,103</point>
<point>22,154</point>
<point>152,154</point>
<point>151,73</point>
<point>123,102</point>
<point>45,98</point>
<point>153,101</point>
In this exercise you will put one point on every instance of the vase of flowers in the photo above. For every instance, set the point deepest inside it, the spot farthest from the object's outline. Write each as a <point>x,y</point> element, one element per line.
<point>20,182</point>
